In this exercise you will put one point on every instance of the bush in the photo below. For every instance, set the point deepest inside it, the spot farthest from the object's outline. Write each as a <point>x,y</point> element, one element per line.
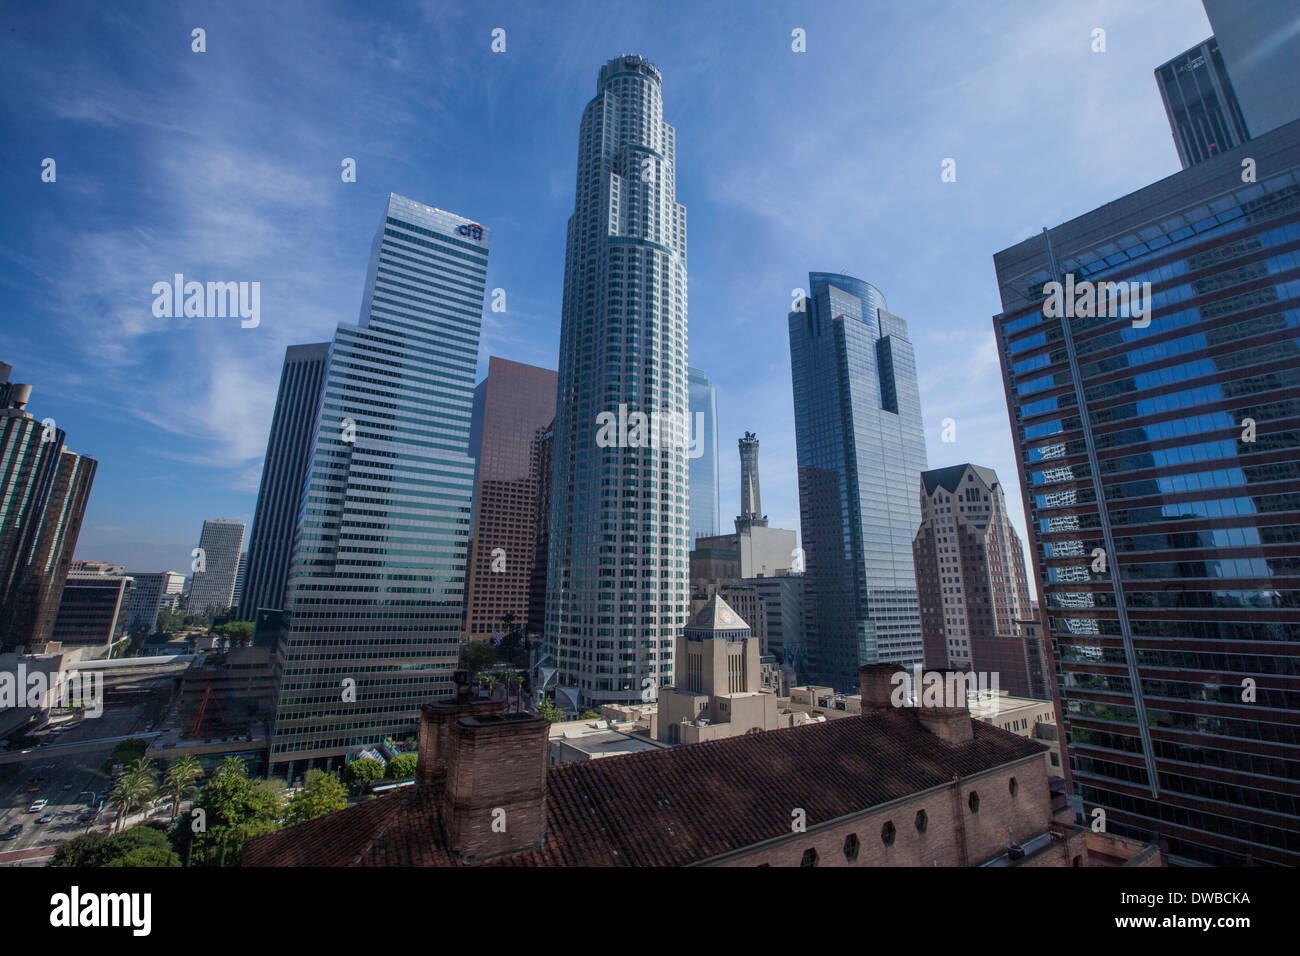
<point>401,767</point>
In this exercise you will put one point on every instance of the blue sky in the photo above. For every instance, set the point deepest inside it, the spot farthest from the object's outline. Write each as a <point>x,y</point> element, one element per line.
<point>225,166</point>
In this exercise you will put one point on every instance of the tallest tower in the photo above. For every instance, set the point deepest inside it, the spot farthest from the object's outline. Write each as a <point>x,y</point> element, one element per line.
<point>617,569</point>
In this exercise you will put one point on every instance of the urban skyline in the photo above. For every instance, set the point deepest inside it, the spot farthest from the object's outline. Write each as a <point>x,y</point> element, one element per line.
<point>219,388</point>
<point>1067,524</point>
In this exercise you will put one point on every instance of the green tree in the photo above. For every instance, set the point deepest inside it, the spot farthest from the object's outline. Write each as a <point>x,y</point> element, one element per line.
<point>321,794</point>
<point>181,780</point>
<point>234,633</point>
<point>365,771</point>
<point>550,711</point>
<point>228,812</point>
<point>144,845</point>
<point>589,715</point>
<point>134,790</point>
<point>476,656</point>
<point>401,767</point>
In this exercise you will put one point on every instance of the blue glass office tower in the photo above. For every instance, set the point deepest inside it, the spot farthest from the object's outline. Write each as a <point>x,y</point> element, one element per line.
<point>704,455</point>
<point>378,577</point>
<point>1167,445</point>
<point>861,452</point>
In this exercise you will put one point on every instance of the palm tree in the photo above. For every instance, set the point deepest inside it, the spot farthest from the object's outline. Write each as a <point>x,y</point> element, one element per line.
<point>511,677</point>
<point>181,780</point>
<point>490,682</point>
<point>136,786</point>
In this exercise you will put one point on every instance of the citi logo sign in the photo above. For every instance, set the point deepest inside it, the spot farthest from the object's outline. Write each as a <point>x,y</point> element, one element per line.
<point>76,909</point>
<point>1108,299</point>
<point>473,230</point>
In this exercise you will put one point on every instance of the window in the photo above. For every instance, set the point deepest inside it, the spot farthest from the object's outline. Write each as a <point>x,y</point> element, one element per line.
<point>809,858</point>
<point>974,802</point>
<point>1013,786</point>
<point>922,821</point>
<point>851,846</point>
<point>888,833</point>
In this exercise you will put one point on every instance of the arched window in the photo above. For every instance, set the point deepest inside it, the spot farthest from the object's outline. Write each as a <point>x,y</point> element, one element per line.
<point>809,858</point>
<point>974,802</point>
<point>922,821</point>
<point>888,833</point>
<point>1013,786</point>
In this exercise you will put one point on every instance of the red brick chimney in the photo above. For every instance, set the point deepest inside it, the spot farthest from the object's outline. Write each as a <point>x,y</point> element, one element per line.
<point>877,684</point>
<point>494,794</point>
<point>435,726</point>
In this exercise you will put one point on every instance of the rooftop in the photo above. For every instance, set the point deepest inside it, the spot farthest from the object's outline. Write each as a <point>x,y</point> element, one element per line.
<point>671,807</point>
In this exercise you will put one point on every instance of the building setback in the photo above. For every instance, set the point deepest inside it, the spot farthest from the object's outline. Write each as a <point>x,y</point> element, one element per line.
<point>970,573</point>
<point>617,588</point>
<point>284,473</point>
<point>378,578</point>
<point>511,405</point>
<point>861,451</point>
<point>1158,447</point>
<point>213,584</point>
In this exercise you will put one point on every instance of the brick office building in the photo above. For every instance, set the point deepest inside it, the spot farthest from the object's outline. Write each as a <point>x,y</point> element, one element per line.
<point>891,787</point>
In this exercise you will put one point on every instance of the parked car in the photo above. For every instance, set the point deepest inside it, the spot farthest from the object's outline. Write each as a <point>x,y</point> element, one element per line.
<point>12,832</point>
<point>38,805</point>
<point>45,818</point>
<point>87,816</point>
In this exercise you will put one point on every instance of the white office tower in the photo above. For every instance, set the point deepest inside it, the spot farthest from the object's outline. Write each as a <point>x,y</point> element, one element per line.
<point>215,566</point>
<point>378,574</point>
<point>619,551</point>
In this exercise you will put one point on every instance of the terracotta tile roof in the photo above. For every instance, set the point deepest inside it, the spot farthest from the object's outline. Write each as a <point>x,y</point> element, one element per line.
<point>670,807</point>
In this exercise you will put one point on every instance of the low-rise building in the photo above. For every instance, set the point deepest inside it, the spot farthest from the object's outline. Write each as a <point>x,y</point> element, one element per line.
<point>891,786</point>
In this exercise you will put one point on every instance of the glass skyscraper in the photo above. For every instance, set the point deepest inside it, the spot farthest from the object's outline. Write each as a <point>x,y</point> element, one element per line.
<point>378,577</point>
<point>860,452</point>
<point>705,508</point>
<point>1204,115</point>
<point>617,588</point>
<point>1158,446</point>
<point>284,471</point>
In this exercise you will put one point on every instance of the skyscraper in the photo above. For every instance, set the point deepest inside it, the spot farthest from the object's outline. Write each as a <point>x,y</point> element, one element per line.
<point>751,498</point>
<point>861,451</point>
<point>1260,44</point>
<point>378,577</point>
<point>510,406</point>
<point>970,575</point>
<point>617,585</point>
<point>703,469</point>
<point>284,472</point>
<point>47,566</point>
<point>1200,102</point>
<point>1158,445</point>
<point>213,585</point>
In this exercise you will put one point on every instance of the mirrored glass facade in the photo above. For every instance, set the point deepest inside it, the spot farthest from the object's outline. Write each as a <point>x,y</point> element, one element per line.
<point>860,452</point>
<point>1159,455</point>
<point>378,578</point>
<point>705,517</point>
